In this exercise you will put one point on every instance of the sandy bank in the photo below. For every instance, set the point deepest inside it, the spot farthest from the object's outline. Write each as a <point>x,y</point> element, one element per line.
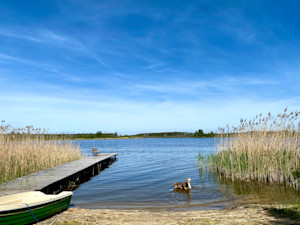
<point>242,215</point>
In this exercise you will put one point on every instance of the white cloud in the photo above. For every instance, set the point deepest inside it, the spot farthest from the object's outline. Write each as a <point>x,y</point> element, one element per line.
<point>129,116</point>
<point>41,36</point>
<point>227,84</point>
<point>155,65</point>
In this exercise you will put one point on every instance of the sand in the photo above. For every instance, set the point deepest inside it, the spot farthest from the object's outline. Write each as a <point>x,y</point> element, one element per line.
<point>253,214</point>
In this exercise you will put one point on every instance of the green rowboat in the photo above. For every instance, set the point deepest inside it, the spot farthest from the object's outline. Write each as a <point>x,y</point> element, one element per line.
<point>31,207</point>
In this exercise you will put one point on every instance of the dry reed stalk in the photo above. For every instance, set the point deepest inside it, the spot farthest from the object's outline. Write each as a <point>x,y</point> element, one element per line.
<point>264,149</point>
<point>27,150</point>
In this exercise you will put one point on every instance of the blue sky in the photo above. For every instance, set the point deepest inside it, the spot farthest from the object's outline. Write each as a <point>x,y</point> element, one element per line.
<point>146,66</point>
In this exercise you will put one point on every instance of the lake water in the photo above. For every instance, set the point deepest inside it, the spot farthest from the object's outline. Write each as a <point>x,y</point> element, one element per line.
<point>143,175</point>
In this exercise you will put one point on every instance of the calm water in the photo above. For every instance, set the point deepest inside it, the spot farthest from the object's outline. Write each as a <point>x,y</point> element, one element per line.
<point>144,173</point>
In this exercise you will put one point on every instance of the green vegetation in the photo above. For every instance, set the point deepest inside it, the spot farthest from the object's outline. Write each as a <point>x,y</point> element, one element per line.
<point>163,135</point>
<point>200,133</point>
<point>264,149</point>
<point>99,134</point>
<point>27,150</point>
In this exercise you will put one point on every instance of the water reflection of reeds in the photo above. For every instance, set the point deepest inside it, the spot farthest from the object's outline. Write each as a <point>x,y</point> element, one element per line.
<point>258,192</point>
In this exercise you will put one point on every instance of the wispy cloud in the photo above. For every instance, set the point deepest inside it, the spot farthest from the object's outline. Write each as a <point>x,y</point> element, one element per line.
<point>155,65</point>
<point>41,36</point>
<point>10,58</point>
<point>117,114</point>
<point>228,85</point>
<point>145,67</point>
<point>234,23</point>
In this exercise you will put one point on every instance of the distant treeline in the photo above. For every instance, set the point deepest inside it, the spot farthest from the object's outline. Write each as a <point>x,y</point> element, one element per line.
<point>198,133</point>
<point>99,134</point>
<point>163,135</point>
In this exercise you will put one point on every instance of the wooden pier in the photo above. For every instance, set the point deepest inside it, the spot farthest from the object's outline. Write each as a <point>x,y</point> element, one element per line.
<point>64,177</point>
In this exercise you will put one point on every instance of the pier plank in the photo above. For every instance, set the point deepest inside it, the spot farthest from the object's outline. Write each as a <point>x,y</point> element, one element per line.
<point>41,179</point>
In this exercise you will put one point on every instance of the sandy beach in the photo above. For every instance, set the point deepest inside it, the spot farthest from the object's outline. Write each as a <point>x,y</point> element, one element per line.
<point>252,214</point>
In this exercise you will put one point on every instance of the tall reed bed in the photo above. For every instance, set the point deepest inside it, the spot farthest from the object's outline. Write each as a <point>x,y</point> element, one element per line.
<point>266,148</point>
<point>27,150</point>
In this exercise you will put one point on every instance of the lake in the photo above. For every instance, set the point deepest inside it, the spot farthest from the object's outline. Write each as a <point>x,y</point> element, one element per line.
<point>143,175</point>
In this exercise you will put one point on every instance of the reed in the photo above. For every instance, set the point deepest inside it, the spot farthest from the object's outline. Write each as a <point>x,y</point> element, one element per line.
<point>27,150</point>
<point>266,148</point>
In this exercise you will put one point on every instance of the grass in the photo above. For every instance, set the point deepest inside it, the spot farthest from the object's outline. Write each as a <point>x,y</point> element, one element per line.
<point>264,149</point>
<point>27,150</point>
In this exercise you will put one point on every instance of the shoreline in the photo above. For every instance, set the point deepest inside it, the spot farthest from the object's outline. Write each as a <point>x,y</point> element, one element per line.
<point>245,214</point>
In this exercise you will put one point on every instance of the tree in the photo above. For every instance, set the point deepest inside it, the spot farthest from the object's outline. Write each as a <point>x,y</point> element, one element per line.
<point>199,133</point>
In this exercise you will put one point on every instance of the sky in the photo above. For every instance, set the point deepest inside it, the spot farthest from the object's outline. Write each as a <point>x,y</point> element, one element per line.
<point>146,66</point>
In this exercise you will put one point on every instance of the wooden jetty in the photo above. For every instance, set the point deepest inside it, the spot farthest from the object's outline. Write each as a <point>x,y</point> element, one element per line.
<point>59,178</point>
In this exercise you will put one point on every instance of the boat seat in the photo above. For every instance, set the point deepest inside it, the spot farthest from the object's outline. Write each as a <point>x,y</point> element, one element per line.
<point>96,152</point>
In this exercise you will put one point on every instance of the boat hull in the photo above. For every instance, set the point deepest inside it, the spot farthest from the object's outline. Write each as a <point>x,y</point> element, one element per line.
<point>40,212</point>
